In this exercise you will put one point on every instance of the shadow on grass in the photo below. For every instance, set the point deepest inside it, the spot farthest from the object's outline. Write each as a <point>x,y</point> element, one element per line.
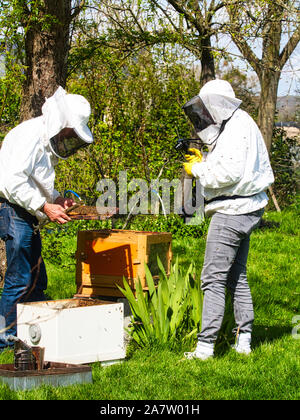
<point>262,334</point>
<point>267,334</point>
<point>268,224</point>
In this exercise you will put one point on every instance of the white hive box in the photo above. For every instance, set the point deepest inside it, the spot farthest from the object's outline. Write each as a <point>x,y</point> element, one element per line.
<point>74,330</point>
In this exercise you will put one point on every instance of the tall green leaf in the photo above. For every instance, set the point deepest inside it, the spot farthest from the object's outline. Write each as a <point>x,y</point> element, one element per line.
<point>161,314</point>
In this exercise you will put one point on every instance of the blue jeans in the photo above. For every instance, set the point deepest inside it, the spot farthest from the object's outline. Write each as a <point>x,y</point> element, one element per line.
<point>25,277</point>
<point>225,267</point>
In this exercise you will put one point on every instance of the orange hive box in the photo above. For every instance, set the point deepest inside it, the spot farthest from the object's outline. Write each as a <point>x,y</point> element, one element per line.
<point>104,257</point>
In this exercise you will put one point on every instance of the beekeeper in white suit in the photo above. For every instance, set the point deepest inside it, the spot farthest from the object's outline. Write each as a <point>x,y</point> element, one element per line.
<point>234,174</point>
<point>27,158</point>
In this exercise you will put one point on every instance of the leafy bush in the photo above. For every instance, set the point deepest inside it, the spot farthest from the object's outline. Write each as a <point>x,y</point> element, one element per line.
<point>172,223</point>
<point>284,155</point>
<point>137,116</point>
<point>52,247</point>
<point>55,247</point>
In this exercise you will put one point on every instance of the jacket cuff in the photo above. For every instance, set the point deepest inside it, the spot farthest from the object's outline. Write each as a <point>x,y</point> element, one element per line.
<point>35,205</point>
<point>196,169</point>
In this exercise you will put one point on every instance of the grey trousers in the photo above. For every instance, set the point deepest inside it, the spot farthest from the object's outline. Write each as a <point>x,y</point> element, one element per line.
<point>226,255</point>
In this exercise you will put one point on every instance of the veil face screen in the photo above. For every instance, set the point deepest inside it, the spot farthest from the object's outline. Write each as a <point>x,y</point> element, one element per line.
<point>198,114</point>
<point>65,147</point>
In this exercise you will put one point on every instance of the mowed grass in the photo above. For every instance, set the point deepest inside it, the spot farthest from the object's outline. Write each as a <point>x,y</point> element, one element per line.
<point>270,372</point>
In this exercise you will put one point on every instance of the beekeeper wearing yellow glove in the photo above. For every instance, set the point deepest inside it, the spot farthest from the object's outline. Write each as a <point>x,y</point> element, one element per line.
<point>234,174</point>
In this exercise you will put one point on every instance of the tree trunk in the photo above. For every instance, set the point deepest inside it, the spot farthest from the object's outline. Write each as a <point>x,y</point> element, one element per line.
<point>46,48</point>
<point>207,61</point>
<point>267,104</point>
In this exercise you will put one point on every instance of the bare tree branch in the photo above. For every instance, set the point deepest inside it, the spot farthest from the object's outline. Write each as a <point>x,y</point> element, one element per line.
<point>289,47</point>
<point>77,9</point>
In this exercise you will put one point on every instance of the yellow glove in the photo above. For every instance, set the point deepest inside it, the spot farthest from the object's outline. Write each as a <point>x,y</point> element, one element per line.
<point>195,157</point>
<point>188,167</point>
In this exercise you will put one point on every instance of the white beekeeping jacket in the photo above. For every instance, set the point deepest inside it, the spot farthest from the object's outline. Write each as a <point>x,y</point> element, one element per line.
<point>238,163</point>
<point>26,161</point>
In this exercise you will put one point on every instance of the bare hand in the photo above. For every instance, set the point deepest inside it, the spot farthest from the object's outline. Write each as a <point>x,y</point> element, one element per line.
<point>65,202</point>
<point>56,213</point>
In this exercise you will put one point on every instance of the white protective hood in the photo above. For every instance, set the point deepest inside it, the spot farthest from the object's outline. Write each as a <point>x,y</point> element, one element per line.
<point>66,110</point>
<point>26,160</point>
<point>236,171</point>
<point>219,99</point>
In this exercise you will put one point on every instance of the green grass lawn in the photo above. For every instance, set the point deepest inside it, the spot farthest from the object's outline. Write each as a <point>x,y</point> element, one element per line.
<point>270,372</point>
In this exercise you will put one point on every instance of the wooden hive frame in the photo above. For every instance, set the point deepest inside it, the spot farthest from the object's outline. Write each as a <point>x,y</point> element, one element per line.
<point>105,257</point>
